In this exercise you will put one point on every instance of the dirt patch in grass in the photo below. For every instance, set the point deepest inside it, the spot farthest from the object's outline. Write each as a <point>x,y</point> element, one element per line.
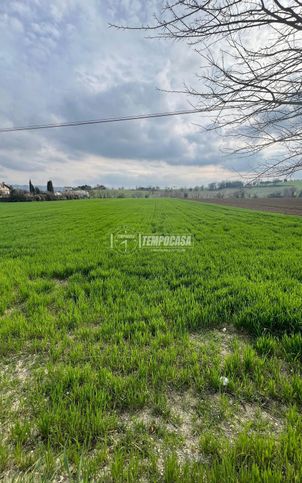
<point>183,408</point>
<point>251,418</point>
<point>19,369</point>
<point>190,418</point>
<point>222,340</point>
<point>8,312</point>
<point>61,282</point>
<point>175,431</point>
<point>14,377</point>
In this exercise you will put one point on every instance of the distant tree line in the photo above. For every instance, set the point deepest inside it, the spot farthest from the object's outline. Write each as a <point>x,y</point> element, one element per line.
<point>34,193</point>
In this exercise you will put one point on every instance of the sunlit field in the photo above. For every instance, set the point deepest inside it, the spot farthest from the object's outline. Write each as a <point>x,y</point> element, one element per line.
<point>171,366</point>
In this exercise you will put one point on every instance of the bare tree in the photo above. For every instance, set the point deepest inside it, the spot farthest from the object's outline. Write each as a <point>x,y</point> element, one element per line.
<point>252,60</point>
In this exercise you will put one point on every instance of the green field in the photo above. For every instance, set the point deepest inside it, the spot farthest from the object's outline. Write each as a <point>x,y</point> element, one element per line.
<point>111,363</point>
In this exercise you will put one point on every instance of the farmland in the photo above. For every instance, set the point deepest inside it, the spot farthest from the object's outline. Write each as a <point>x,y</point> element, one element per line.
<point>288,206</point>
<point>172,366</point>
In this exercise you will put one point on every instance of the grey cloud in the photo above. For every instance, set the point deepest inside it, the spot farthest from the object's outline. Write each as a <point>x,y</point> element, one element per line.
<point>155,139</point>
<point>61,62</point>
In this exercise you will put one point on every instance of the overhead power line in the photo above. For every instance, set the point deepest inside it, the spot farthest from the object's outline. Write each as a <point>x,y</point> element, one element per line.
<point>34,127</point>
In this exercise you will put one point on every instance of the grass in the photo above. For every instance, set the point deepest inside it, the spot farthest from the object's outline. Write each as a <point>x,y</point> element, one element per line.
<point>111,363</point>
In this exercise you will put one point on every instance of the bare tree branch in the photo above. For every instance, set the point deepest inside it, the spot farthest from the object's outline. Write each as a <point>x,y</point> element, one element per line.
<point>252,52</point>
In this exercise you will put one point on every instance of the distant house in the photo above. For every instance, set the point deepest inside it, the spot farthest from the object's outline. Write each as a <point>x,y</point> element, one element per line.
<point>4,190</point>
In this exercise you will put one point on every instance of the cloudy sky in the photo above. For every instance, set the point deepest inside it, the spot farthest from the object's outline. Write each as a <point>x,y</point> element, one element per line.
<point>60,61</point>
